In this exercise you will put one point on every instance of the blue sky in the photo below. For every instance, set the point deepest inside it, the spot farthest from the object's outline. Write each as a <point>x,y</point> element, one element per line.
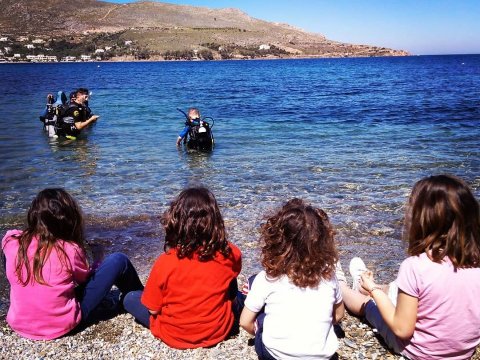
<point>418,26</point>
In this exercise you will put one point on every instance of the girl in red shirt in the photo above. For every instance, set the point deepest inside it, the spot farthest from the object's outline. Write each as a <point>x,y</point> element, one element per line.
<point>189,296</point>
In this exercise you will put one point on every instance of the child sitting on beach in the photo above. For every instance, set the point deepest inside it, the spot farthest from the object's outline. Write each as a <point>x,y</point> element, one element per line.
<point>189,296</point>
<point>292,305</point>
<point>434,313</point>
<point>52,288</point>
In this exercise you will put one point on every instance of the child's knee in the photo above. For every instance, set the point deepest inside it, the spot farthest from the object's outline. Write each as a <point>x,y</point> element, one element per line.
<point>132,299</point>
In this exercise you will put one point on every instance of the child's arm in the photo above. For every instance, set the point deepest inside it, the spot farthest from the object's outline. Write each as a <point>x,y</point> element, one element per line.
<point>400,319</point>
<point>338,312</point>
<point>247,320</point>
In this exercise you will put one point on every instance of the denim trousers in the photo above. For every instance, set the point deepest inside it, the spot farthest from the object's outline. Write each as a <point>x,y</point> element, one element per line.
<point>116,269</point>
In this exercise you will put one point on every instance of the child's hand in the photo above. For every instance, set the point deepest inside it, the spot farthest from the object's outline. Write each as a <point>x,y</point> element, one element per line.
<point>366,281</point>
<point>245,289</point>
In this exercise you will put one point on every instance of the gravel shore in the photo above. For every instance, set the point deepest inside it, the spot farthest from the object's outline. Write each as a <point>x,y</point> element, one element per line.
<point>122,338</point>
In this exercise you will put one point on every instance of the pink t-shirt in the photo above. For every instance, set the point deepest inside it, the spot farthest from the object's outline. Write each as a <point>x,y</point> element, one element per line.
<point>44,312</point>
<point>448,316</point>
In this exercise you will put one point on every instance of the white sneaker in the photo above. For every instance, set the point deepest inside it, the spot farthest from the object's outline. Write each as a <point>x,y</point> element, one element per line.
<point>357,268</point>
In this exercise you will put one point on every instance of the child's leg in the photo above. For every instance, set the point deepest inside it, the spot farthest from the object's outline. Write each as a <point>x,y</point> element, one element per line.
<point>354,301</point>
<point>133,305</point>
<point>374,318</point>
<point>260,348</point>
<point>117,270</point>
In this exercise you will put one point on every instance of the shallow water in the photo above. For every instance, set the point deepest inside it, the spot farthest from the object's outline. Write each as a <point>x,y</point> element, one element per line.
<point>349,135</point>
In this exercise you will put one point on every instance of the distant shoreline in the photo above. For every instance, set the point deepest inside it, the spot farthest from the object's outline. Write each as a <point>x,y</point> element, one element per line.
<point>160,59</point>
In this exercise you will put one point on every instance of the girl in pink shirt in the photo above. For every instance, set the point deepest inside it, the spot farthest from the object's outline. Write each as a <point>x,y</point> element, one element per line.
<point>436,314</point>
<point>52,288</point>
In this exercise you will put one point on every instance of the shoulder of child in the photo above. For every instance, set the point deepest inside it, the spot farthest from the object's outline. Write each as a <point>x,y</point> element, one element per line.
<point>235,249</point>
<point>9,235</point>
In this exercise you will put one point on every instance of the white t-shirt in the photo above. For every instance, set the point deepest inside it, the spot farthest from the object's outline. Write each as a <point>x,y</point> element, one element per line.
<point>298,322</point>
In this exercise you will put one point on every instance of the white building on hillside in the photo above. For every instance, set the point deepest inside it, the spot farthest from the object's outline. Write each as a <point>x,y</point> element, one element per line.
<point>69,59</point>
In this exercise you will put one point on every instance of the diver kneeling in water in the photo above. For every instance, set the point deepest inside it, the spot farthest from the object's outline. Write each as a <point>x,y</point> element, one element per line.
<point>77,116</point>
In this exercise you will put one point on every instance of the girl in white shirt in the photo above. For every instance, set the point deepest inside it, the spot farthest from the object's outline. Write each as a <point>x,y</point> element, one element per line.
<point>293,303</point>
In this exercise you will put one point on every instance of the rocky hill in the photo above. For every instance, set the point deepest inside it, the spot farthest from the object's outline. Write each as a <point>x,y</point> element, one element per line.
<point>156,29</point>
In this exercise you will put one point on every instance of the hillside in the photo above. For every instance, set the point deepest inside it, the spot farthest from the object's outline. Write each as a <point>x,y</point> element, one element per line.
<point>159,29</point>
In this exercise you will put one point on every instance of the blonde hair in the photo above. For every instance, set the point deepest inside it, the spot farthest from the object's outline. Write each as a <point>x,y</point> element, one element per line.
<point>193,111</point>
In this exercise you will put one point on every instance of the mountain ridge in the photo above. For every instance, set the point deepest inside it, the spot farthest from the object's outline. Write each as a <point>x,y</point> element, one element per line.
<point>156,28</point>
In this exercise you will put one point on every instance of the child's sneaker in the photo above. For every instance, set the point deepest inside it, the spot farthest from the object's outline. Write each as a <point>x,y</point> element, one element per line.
<point>357,268</point>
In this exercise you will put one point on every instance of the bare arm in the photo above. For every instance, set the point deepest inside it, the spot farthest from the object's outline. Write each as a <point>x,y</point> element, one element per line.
<point>81,125</point>
<point>247,320</point>
<point>338,312</point>
<point>400,319</point>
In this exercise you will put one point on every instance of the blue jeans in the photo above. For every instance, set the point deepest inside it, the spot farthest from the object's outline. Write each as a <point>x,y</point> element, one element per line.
<point>132,304</point>
<point>372,314</point>
<point>116,269</point>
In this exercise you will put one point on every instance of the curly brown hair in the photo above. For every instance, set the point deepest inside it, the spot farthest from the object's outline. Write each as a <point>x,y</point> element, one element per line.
<point>53,215</point>
<point>299,242</point>
<point>194,225</point>
<point>443,219</point>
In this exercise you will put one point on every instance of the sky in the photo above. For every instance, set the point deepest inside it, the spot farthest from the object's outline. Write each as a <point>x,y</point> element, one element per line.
<point>418,26</point>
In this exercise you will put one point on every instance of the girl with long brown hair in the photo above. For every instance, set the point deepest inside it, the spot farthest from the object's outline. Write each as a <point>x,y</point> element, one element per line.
<point>189,298</point>
<point>293,303</point>
<point>52,287</point>
<point>434,311</point>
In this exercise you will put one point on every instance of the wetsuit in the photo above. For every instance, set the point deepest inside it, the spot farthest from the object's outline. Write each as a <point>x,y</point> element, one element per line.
<point>73,114</point>
<point>187,127</point>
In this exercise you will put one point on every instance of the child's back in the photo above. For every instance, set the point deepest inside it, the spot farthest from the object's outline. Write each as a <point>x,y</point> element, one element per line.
<point>191,296</point>
<point>298,288</point>
<point>188,298</point>
<point>44,311</point>
<point>298,321</point>
<point>448,314</point>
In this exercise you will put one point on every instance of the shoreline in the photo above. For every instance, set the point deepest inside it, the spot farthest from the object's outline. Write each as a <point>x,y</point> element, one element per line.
<point>131,59</point>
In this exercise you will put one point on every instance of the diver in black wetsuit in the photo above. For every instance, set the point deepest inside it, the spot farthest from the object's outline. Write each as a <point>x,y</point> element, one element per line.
<point>77,116</point>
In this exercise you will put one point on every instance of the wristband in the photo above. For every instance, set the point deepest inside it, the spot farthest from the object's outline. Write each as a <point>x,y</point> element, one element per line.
<point>376,287</point>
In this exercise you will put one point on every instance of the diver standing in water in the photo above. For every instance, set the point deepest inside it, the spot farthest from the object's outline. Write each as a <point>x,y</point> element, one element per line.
<point>77,116</point>
<point>193,119</point>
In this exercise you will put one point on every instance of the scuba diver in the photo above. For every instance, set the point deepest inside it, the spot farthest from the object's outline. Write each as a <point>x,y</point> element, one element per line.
<point>77,116</point>
<point>197,133</point>
<point>50,114</point>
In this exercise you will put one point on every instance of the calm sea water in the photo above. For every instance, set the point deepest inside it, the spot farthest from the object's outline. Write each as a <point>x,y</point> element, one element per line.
<point>349,135</point>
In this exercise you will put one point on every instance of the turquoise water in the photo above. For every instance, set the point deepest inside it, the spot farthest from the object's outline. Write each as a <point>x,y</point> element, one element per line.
<point>348,135</point>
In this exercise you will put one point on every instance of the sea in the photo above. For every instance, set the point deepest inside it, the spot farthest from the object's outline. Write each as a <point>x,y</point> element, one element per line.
<point>348,135</point>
